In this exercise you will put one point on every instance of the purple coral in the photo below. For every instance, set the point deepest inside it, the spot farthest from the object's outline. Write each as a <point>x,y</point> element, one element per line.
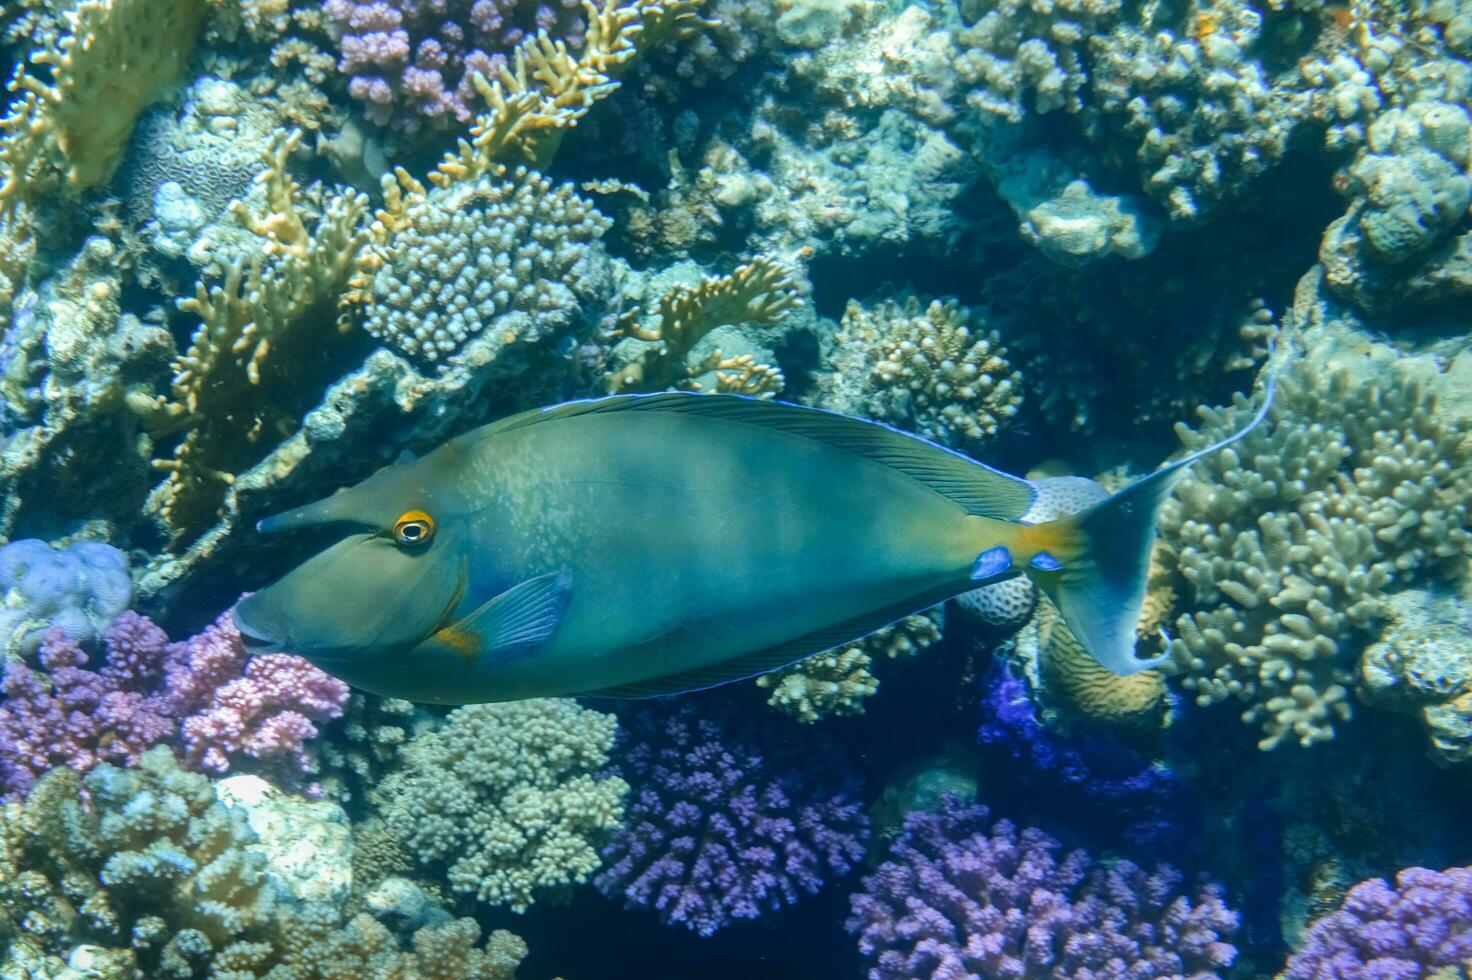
<point>231,704</point>
<point>1124,793</point>
<point>205,689</point>
<point>410,61</point>
<point>960,899</point>
<point>1384,933</point>
<point>720,828</point>
<point>71,716</point>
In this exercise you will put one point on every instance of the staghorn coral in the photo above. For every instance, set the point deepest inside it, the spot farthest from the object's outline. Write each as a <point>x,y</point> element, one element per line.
<point>363,746</point>
<point>1420,928</point>
<point>1419,666</point>
<point>254,340</point>
<point>928,369</point>
<point>958,896</point>
<point>1290,541</point>
<point>504,800</point>
<point>147,865</point>
<point>759,291</point>
<point>118,56</point>
<point>839,681</point>
<point>503,258</point>
<point>726,825</point>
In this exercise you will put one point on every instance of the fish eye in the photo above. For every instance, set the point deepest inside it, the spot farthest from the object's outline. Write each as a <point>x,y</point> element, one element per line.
<point>414,527</point>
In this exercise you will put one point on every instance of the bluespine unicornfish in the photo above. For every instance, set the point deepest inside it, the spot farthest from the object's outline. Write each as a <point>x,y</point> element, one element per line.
<point>649,544</point>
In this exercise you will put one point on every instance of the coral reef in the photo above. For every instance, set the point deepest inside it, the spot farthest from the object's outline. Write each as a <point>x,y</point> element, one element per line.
<point>505,799</point>
<point>928,369</point>
<point>1291,540</point>
<point>363,746</point>
<point>1419,665</point>
<point>504,258</point>
<point>1418,928</point>
<point>959,897</point>
<point>78,589</point>
<point>722,827</point>
<point>840,681</point>
<point>1080,769</point>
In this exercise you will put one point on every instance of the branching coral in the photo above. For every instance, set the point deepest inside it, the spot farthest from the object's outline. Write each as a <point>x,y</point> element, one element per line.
<point>840,681</point>
<point>960,897</point>
<point>259,332</point>
<point>1291,540</point>
<point>759,291</point>
<point>118,56</point>
<point>505,257</point>
<point>504,800</point>
<point>724,825</point>
<point>928,369</point>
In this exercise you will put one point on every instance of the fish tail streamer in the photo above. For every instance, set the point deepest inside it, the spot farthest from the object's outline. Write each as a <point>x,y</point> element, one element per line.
<point>1093,564</point>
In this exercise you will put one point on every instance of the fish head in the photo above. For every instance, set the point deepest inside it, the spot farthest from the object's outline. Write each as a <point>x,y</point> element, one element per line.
<point>395,576</point>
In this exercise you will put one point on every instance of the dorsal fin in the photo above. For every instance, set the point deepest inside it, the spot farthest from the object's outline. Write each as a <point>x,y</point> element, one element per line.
<point>976,487</point>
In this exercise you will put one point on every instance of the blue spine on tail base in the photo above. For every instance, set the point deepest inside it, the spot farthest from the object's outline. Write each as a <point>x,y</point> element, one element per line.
<point>1101,592</point>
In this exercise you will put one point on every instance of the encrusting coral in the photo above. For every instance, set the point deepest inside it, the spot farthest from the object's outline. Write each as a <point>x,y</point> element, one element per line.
<point>505,799</point>
<point>929,369</point>
<point>759,291</point>
<point>78,589</point>
<point>1291,541</point>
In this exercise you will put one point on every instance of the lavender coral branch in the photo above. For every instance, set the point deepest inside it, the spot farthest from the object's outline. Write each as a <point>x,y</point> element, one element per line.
<point>1421,925</point>
<point>959,898</point>
<point>719,828</point>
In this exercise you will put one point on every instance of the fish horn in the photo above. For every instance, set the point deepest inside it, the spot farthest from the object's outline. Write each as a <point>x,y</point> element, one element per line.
<point>323,511</point>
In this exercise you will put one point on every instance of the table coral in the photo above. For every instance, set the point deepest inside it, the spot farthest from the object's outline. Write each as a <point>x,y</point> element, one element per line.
<point>840,681</point>
<point>506,256</point>
<point>958,896</point>
<point>930,369</point>
<point>505,800</point>
<point>1418,928</point>
<point>724,825</point>
<point>1290,540</point>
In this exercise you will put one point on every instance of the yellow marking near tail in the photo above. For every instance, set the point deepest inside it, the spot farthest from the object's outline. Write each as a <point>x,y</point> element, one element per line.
<point>1061,539</point>
<point>464,642</point>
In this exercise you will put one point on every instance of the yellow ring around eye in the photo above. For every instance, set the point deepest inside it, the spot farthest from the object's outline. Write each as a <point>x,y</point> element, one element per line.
<point>414,527</point>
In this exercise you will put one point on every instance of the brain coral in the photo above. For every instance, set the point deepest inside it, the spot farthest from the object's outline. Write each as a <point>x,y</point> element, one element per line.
<point>505,800</point>
<point>957,897</point>
<point>500,255</point>
<point>78,589</point>
<point>931,370</point>
<point>1290,540</point>
<point>724,825</point>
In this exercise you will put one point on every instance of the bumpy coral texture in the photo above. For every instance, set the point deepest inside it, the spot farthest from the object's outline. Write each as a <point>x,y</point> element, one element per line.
<point>929,369</point>
<point>507,798</point>
<point>723,828</point>
<point>78,589</point>
<point>958,897</point>
<point>75,717</point>
<point>140,861</point>
<point>1089,771</point>
<point>497,255</point>
<point>1421,926</point>
<point>841,681</point>
<point>1291,540</point>
<point>410,61</point>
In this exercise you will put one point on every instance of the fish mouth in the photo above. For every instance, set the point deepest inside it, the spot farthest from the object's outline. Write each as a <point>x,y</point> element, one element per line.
<point>255,639</point>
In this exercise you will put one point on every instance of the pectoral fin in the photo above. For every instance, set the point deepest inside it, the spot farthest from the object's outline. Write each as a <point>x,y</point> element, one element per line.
<point>513,623</point>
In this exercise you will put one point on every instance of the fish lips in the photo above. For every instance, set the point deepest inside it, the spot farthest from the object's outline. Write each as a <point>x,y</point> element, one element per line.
<point>256,635</point>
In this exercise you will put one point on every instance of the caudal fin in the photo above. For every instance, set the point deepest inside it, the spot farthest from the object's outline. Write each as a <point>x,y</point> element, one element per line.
<point>1097,575</point>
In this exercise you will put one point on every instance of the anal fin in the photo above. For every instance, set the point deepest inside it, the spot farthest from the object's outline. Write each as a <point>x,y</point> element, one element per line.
<point>511,624</point>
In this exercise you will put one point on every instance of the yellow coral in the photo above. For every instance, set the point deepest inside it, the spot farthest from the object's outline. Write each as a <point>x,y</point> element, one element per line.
<point>759,291</point>
<point>253,340</point>
<point>118,57</point>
